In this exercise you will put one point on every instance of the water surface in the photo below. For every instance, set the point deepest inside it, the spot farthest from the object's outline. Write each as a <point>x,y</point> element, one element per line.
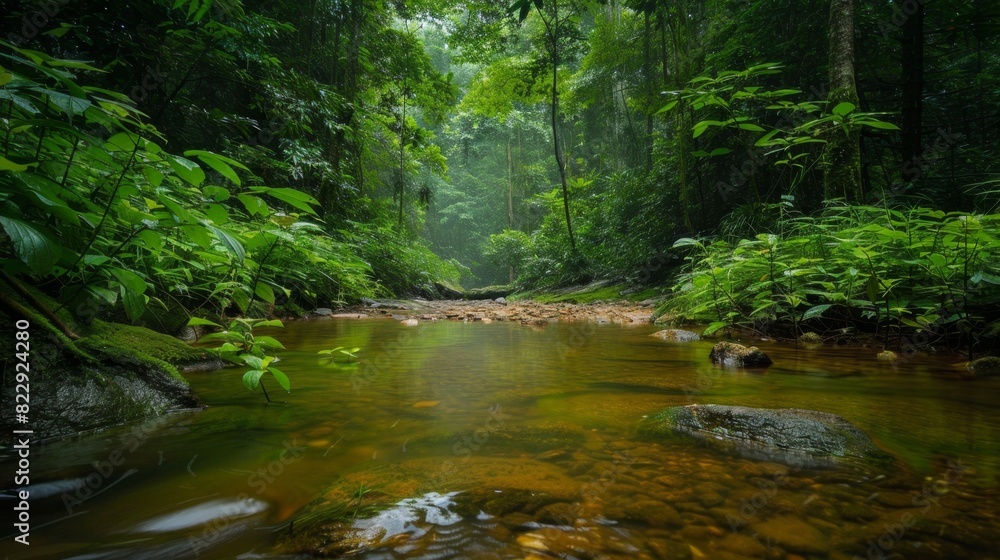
<point>544,417</point>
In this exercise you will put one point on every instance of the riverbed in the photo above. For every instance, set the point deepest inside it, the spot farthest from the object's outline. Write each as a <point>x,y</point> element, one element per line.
<point>543,414</point>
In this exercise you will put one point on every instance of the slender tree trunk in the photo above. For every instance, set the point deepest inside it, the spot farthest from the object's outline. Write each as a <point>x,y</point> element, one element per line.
<point>510,186</point>
<point>402,146</point>
<point>553,30</point>
<point>842,175</point>
<point>647,73</point>
<point>913,91</point>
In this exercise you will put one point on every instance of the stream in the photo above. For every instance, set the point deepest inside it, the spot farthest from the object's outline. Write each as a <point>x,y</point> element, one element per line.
<point>537,424</point>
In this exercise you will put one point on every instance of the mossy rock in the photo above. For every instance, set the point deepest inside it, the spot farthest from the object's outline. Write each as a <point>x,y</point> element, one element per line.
<point>811,339</point>
<point>113,375</point>
<point>488,292</point>
<point>984,367</point>
<point>887,356</point>
<point>788,435</point>
<point>736,355</point>
<point>141,343</point>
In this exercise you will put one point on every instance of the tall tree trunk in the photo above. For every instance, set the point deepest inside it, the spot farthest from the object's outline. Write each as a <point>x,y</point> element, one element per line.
<point>510,185</point>
<point>650,95</point>
<point>913,90</point>
<point>402,153</point>
<point>842,175</point>
<point>553,30</point>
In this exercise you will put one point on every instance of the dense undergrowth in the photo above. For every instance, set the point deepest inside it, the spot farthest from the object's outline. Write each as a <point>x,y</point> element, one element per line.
<point>103,219</point>
<point>892,272</point>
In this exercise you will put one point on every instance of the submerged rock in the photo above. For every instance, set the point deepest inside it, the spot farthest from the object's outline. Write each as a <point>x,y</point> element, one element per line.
<point>985,367</point>
<point>677,335</point>
<point>737,355</point>
<point>787,435</point>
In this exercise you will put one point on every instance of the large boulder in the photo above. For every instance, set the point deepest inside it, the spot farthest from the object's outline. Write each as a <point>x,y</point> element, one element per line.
<point>787,435</point>
<point>736,355</point>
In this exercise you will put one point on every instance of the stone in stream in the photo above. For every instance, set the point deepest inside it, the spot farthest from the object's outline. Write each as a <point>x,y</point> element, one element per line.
<point>677,335</point>
<point>984,367</point>
<point>793,436</point>
<point>811,339</point>
<point>736,355</point>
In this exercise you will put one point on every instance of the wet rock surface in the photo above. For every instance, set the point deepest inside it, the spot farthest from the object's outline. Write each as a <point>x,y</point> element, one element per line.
<point>786,435</point>
<point>677,335</point>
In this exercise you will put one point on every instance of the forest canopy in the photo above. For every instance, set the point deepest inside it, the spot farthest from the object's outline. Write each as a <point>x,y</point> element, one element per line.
<point>771,160</point>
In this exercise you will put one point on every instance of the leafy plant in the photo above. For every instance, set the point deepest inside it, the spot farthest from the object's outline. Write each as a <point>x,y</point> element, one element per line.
<point>857,267</point>
<point>241,346</point>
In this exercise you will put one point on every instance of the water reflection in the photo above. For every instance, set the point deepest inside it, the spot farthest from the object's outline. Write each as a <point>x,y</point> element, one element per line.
<point>561,474</point>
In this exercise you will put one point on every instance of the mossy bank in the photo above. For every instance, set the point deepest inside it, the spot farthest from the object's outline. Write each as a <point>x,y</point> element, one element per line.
<point>111,375</point>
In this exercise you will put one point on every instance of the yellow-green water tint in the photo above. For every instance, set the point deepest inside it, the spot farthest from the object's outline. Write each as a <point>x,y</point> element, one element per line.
<point>546,414</point>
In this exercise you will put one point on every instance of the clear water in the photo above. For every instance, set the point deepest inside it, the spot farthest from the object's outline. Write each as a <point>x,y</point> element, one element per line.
<point>544,417</point>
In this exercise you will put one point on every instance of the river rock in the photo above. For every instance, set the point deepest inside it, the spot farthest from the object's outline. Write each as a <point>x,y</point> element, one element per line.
<point>788,435</point>
<point>811,339</point>
<point>887,356</point>
<point>736,355</point>
<point>677,335</point>
<point>985,367</point>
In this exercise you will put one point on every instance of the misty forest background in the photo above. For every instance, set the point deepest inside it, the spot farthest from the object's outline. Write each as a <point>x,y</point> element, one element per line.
<point>831,163</point>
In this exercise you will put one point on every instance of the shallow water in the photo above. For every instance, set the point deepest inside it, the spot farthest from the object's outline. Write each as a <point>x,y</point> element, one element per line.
<point>535,426</point>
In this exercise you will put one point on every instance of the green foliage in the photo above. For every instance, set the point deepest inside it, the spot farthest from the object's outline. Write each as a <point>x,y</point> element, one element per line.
<point>916,270</point>
<point>241,346</point>
<point>509,248</point>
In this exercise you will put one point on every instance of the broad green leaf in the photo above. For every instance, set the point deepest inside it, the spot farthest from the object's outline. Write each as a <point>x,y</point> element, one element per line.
<point>134,303</point>
<point>292,197</point>
<point>34,245</point>
<point>213,192</point>
<point>254,205</point>
<point>843,108</point>
<point>130,280</point>
<point>217,164</point>
<point>232,244</point>
<point>872,288</point>
<point>7,165</point>
<point>218,213</point>
<point>252,378</point>
<point>264,292</point>
<point>815,311</point>
<point>269,323</point>
<point>186,169</point>
<point>198,321</point>
<point>268,342</point>
<point>882,125</point>
<point>152,240</point>
<point>281,378</point>
<point>714,327</point>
